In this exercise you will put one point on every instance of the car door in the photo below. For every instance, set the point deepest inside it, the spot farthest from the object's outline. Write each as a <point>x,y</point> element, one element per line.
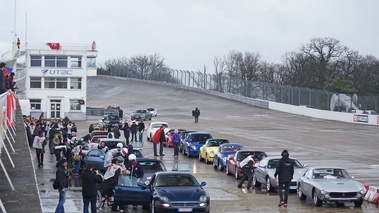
<point>95,157</point>
<point>260,171</point>
<point>306,183</point>
<point>131,192</point>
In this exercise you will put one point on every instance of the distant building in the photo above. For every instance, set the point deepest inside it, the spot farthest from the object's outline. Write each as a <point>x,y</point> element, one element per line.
<point>56,79</point>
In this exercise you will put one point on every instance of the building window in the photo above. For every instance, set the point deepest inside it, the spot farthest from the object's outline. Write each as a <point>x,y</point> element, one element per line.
<point>61,61</point>
<point>36,61</point>
<point>76,83</point>
<point>35,104</point>
<point>35,82</point>
<point>56,83</point>
<point>55,61</point>
<point>91,62</point>
<point>76,61</point>
<point>74,104</point>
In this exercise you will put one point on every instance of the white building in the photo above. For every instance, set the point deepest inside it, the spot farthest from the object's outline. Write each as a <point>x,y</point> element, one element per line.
<point>56,80</point>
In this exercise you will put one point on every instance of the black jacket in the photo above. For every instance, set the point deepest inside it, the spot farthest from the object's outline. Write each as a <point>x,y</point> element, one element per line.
<point>141,126</point>
<point>61,177</point>
<point>285,170</point>
<point>126,131</point>
<point>89,181</point>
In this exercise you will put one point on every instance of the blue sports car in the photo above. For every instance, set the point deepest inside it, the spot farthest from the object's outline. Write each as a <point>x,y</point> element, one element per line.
<point>193,142</point>
<point>224,151</point>
<point>165,192</point>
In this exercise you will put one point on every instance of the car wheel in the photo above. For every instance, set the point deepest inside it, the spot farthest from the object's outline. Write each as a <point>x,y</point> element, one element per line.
<point>220,167</point>
<point>200,158</point>
<point>269,186</point>
<point>99,199</point>
<point>255,182</point>
<point>206,159</point>
<point>316,201</point>
<point>236,174</point>
<point>358,203</point>
<point>300,193</point>
<point>227,169</point>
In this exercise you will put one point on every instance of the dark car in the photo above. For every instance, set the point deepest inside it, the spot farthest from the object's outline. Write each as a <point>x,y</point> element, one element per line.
<point>96,158</point>
<point>183,135</point>
<point>113,120</point>
<point>224,151</point>
<point>141,114</point>
<point>193,142</point>
<point>150,167</point>
<point>165,192</point>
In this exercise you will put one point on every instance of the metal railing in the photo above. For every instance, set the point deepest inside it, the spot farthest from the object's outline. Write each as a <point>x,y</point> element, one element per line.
<point>318,99</point>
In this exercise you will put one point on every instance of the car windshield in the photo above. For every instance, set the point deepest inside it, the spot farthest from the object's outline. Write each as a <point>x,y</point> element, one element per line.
<point>330,173</point>
<point>257,155</point>
<point>150,109</point>
<point>217,142</point>
<point>112,117</point>
<point>230,148</point>
<point>141,111</point>
<point>124,180</point>
<point>176,180</point>
<point>200,137</point>
<point>152,166</point>
<point>112,144</point>
<point>274,162</point>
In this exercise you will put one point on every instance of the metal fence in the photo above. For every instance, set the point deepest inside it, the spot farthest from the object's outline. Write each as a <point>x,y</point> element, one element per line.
<point>319,99</point>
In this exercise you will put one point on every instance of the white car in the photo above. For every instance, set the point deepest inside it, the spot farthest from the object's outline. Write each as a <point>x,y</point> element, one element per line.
<point>152,111</point>
<point>153,126</point>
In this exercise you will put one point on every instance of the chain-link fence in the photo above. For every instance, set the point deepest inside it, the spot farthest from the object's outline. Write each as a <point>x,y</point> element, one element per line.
<point>319,99</point>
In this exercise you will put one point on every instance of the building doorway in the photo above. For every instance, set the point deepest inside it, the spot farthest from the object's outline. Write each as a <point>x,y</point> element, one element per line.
<point>55,108</point>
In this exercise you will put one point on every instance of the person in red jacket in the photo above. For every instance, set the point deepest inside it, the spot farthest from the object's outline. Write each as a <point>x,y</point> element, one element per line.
<point>159,137</point>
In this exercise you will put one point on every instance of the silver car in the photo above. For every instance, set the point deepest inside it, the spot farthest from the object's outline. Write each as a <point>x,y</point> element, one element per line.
<point>330,184</point>
<point>265,170</point>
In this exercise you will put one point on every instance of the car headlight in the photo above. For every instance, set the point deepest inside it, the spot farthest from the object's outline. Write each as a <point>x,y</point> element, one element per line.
<point>164,199</point>
<point>323,191</point>
<point>363,191</point>
<point>212,153</point>
<point>203,198</point>
<point>193,147</point>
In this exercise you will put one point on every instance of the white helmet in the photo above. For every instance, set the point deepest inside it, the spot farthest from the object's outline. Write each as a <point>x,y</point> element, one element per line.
<point>120,145</point>
<point>132,157</point>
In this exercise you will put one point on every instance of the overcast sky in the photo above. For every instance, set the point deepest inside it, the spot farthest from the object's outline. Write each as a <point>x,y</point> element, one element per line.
<point>189,34</point>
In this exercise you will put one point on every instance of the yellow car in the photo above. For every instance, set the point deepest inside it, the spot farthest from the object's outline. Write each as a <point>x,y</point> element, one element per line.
<point>209,149</point>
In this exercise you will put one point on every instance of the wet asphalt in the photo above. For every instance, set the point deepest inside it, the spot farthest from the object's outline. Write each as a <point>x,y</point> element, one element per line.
<point>311,141</point>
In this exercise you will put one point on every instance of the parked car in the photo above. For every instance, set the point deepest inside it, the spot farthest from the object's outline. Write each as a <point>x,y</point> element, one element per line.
<point>141,114</point>
<point>113,120</point>
<point>330,184</point>
<point>168,142</point>
<point>152,111</point>
<point>96,157</point>
<point>150,167</point>
<point>208,150</point>
<point>232,163</point>
<point>96,126</point>
<point>265,170</point>
<point>193,142</point>
<point>225,151</point>
<point>153,126</point>
<point>165,192</point>
<point>183,135</point>
<point>97,134</point>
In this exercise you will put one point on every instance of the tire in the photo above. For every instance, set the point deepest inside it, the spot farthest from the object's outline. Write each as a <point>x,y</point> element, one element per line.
<point>200,158</point>
<point>269,186</point>
<point>236,174</point>
<point>300,193</point>
<point>220,167</point>
<point>316,201</point>
<point>358,203</point>
<point>227,170</point>
<point>99,198</point>
<point>255,182</point>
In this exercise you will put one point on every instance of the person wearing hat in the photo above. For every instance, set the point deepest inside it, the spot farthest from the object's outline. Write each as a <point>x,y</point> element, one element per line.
<point>133,130</point>
<point>285,170</point>
<point>61,179</point>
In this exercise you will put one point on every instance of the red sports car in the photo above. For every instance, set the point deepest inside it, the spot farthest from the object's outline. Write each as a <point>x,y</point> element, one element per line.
<point>232,164</point>
<point>168,136</point>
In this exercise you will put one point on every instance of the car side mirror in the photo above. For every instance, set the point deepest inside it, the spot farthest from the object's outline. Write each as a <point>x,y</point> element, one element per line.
<point>203,184</point>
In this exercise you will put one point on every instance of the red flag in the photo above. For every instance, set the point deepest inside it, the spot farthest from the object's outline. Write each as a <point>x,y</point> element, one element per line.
<point>54,46</point>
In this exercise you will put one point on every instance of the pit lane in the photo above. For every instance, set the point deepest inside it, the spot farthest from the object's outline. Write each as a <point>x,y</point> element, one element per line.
<point>311,141</point>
